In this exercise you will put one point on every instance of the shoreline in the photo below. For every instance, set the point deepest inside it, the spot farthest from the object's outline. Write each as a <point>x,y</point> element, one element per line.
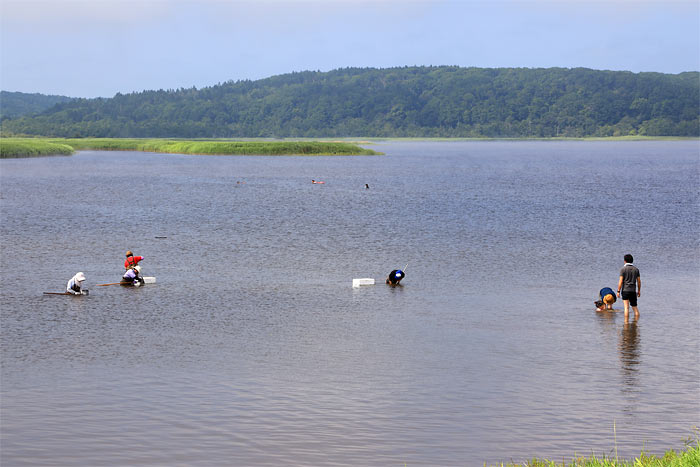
<point>689,456</point>
<point>23,147</point>
<point>371,140</point>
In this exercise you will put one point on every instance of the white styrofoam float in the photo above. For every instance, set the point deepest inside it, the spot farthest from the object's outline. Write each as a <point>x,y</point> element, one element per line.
<point>149,280</point>
<point>362,281</point>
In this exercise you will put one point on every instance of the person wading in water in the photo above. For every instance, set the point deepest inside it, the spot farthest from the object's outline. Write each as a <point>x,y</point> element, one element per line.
<point>630,286</point>
<point>131,260</point>
<point>395,277</point>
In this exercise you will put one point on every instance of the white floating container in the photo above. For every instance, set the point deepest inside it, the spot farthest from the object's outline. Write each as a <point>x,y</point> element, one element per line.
<point>149,280</point>
<point>362,281</point>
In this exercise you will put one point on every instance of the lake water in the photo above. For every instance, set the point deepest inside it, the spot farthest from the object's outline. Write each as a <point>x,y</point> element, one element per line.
<point>254,349</point>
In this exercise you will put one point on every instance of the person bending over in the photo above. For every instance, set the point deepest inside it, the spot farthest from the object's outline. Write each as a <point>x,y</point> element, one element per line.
<point>606,298</point>
<point>133,277</point>
<point>75,285</point>
<point>395,277</point>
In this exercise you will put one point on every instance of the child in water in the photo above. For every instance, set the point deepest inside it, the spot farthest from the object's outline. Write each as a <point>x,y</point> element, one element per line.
<point>606,298</point>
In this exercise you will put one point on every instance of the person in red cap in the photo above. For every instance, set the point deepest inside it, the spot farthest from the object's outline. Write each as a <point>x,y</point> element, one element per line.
<point>131,260</point>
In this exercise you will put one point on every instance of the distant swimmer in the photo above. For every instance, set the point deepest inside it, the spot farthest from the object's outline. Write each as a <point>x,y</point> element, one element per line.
<point>367,186</point>
<point>131,260</point>
<point>395,277</point>
<point>132,277</point>
<point>606,298</point>
<point>75,285</point>
<point>317,182</point>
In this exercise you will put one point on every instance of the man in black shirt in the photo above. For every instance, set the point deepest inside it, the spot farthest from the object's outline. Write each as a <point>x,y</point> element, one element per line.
<point>629,287</point>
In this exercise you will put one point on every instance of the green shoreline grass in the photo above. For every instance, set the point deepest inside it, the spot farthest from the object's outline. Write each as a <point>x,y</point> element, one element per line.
<point>34,147</point>
<point>690,457</point>
<point>11,148</point>
<point>29,147</point>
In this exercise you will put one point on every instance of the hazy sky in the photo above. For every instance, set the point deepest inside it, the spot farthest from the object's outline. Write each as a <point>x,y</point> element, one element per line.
<point>100,47</point>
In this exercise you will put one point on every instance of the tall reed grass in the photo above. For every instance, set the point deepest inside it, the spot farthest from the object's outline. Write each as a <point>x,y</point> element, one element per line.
<point>690,457</point>
<point>213,147</point>
<point>26,147</point>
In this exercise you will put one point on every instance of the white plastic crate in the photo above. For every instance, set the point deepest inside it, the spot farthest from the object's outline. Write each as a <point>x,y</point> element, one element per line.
<point>362,281</point>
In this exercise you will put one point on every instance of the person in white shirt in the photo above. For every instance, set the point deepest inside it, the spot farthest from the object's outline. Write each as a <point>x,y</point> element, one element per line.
<point>75,285</point>
<point>132,277</point>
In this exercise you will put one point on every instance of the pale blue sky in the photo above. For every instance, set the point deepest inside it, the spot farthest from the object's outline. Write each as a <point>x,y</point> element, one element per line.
<point>100,47</point>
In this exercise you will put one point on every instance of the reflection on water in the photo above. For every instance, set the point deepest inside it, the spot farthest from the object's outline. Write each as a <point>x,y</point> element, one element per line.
<point>253,348</point>
<point>607,319</point>
<point>629,353</point>
<point>630,357</point>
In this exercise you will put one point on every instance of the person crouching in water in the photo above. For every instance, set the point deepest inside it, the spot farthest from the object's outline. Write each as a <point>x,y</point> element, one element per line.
<point>395,277</point>
<point>132,277</point>
<point>131,260</point>
<point>75,285</point>
<point>606,298</point>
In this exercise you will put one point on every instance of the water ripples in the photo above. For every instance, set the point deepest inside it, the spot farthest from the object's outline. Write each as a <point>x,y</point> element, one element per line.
<point>253,349</point>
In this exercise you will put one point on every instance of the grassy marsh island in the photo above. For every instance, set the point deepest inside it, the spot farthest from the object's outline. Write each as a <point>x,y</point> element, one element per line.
<point>26,147</point>
<point>30,147</point>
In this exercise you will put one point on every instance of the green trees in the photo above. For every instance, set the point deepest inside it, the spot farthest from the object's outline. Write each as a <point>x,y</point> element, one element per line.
<point>400,102</point>
<point>17,104</point>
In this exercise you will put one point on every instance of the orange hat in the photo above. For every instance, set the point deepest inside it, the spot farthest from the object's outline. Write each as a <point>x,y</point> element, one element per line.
<point>129,253</point>
<point>609,299</point>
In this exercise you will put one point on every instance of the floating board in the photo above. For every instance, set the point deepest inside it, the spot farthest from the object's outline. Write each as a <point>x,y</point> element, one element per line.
<point>146,280</point>
<point>85,292</point>
<point>362,281</point>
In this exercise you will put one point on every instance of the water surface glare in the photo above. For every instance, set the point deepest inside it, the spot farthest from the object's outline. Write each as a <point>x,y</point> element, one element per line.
<point>254,349</point>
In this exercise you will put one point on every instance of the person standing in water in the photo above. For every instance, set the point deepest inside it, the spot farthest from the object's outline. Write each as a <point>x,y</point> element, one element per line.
<point>630,286</point>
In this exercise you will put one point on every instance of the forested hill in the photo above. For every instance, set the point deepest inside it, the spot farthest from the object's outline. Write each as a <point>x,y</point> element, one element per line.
<point>395,102</point>
<point>17,104</point>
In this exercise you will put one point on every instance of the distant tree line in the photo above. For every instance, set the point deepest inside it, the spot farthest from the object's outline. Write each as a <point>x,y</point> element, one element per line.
<point>395,102</point>
<point>17,104</point>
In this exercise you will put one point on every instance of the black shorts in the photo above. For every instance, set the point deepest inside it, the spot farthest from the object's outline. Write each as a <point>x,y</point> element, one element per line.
<point>631,296</point>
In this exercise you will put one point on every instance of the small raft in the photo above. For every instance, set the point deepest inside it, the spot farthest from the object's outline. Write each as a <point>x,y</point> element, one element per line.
<point>85,292</point>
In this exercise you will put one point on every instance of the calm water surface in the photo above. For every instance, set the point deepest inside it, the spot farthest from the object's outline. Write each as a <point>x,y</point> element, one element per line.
<point>254,349</point>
